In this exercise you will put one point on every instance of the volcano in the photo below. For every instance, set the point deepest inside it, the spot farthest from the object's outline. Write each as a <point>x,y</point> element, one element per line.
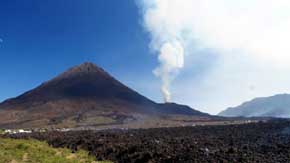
<point>84,95</point>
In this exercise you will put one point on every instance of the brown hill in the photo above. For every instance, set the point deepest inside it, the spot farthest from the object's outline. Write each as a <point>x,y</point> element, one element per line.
<point>84,95</point>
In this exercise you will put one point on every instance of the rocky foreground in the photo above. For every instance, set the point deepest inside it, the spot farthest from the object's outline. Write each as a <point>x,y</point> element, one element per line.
<point>256,142</point>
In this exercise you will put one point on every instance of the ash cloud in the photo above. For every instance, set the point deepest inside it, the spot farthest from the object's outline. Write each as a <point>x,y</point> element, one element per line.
<point>254,31</point>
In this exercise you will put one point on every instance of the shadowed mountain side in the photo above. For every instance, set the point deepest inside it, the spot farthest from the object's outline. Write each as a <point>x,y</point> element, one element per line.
<point>173,108</point>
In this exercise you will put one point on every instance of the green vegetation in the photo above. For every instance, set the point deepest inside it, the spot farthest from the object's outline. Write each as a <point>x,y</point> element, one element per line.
<point>33,151</point>
<point>2,131</point>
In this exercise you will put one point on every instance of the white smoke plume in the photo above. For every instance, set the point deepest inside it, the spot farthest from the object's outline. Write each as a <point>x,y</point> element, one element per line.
<point>258,30</point>
<point>171,59</point>
<point>166,41</point>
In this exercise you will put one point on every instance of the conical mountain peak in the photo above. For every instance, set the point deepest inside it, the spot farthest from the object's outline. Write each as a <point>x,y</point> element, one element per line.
<point>87,67</point>
<point>81,96</point>
<point>84,69</point>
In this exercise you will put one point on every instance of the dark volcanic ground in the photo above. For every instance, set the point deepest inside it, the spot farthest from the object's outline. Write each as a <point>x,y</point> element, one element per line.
<point>258,142</point>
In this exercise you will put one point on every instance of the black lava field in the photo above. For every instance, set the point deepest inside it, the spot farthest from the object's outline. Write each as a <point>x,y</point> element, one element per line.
<point>255,142</point>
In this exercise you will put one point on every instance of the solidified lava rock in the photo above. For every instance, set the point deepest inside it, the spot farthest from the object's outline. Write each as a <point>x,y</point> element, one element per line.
<point>257,142</point>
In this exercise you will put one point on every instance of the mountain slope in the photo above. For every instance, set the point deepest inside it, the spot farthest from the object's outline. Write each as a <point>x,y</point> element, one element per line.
<point>84,95</point>
<point>274,106</point>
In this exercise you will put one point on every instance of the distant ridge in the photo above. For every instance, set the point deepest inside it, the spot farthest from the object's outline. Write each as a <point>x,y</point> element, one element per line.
<point>273,106</point>
<point>84,95</point>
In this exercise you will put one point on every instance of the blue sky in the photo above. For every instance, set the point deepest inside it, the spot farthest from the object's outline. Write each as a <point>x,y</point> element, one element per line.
<point>232,52</point>
<point>43,38</point>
